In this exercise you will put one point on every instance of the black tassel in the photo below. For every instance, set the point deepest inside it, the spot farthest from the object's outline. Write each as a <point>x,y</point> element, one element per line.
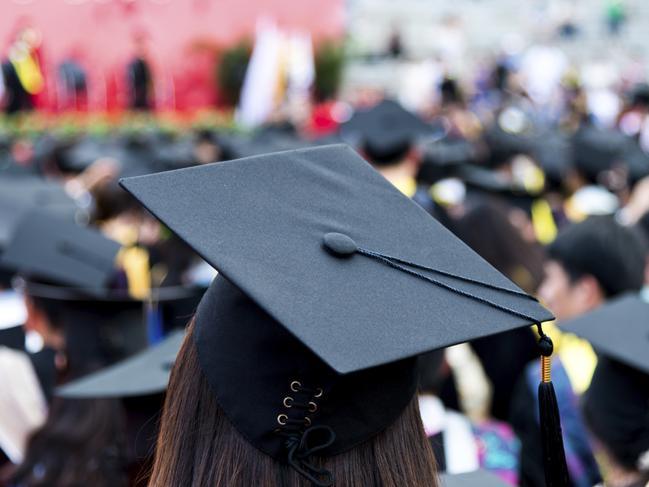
<point>554,457</point>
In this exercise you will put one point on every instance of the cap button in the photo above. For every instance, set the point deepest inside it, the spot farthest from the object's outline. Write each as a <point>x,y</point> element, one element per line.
<point>339,244</point>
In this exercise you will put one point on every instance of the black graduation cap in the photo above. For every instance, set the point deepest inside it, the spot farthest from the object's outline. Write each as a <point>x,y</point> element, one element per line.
<point>503,142</point>
<point>80,153</point>
<point>553,152</point>
<point>479,478</point>
<point>331,283</point>
<point>618,329</point>
<point>71,270</point>
<point>173,152</point>
<point>385,132</point>
<point>46,248</point>
<point>615,406</point>
<point>238,145</point>
<point>21,194</point>
<point>615,409</point>
<point>595,150</point>
<point>490,181</point>
<point>142,374</point>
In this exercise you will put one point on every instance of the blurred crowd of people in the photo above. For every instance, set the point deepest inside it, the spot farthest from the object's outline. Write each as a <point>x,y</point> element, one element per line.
<point>27,83</point>
<point>543,172</point>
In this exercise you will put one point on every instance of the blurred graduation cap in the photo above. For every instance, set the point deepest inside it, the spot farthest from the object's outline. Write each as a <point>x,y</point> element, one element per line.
<point>53,250</point>
<point>174,152</point>
<point>615,404</point>
<point>22,194</point>
<point>239,145</point>
<point>618,329</point>
<point>80,153</point>
<point>508,136</point>
<point>385,132</point>
<point>142,374</point>
<point>350,282</point>
<point>136,153</point>
<point>493,182</point>
<point>636,160</point>
<point>441,158</point>
<point>479,478</point>
<point>595,150</point>
<point>70,270</point>
<point>553,152</point>
<point>139,382</point>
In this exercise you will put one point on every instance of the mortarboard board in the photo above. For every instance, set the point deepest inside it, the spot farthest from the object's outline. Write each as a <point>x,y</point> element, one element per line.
<point>337,193</point>
<point>142,374</point>
<point>618,329</point>
<point>346,284</point>
<point>46,248</point>
<point>479,478</point>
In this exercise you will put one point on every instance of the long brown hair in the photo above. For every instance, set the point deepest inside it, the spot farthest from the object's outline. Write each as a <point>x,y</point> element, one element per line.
<point>82,443</point>
<point>197,445</point>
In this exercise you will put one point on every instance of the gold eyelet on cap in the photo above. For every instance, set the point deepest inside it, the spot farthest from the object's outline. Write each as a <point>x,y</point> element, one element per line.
<point>282,419</point>
<point>313,407</point>
<point>307,421</point>
<point>295,386</point>
<point>318,392</point>
<point>288,401</point>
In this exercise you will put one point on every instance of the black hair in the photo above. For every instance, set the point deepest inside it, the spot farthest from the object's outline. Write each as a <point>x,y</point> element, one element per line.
<point>599,246</point>
<point>382,154</point>
<point>615,410</point>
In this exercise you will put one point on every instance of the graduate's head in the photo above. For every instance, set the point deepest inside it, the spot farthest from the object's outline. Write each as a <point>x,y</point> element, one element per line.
<point>615,406</point>
<point>384,151</point>
<point>590,262</point>
<point>387,135</point>
<point>75,293</point>
<point>199,443</point>
<point>308,338</point>
<point>616,413</point>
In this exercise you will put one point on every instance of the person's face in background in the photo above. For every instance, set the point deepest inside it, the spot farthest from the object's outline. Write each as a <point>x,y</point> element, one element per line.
<point>568,298</point>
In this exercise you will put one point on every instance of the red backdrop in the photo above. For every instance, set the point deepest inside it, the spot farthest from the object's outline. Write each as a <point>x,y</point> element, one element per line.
<point>182,36</point>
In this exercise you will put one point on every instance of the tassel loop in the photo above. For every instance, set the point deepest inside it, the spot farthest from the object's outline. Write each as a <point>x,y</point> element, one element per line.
<point>546,348</point>
<point>554,458</point>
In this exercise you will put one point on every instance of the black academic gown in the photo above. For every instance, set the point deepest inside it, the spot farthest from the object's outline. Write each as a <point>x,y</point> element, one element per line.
<point>139,77</point>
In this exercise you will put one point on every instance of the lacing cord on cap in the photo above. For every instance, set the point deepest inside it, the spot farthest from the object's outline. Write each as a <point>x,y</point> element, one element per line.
<point>302,444</point>
<point>299,453</point>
